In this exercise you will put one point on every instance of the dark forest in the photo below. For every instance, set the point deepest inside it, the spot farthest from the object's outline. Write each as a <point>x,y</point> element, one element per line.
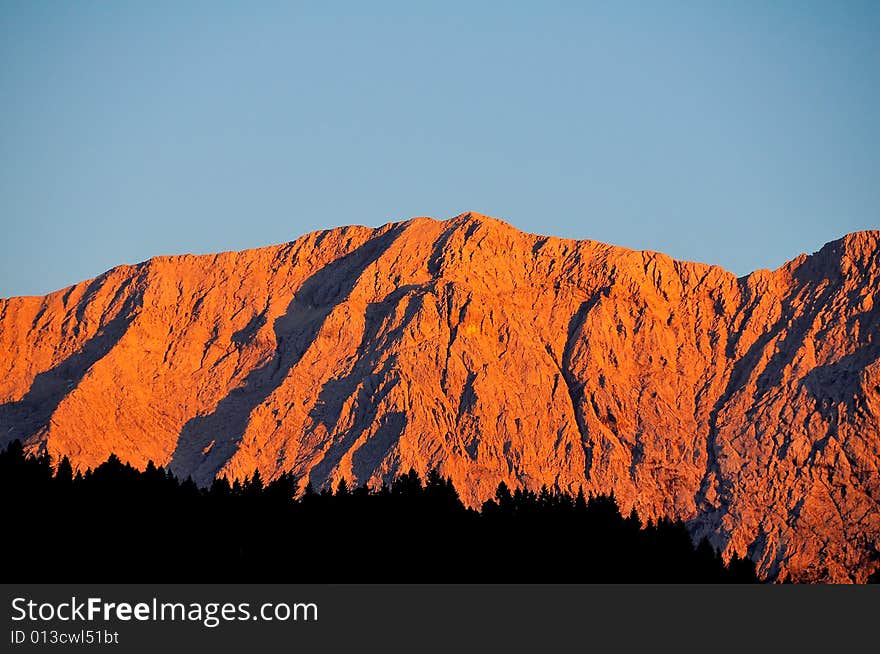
<point>118,524</point>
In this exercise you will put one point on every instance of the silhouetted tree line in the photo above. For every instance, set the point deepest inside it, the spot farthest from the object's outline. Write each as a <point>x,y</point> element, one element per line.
<point>115,523</point>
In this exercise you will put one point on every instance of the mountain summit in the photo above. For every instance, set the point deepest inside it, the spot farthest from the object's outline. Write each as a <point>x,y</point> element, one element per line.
<point>749,407</point>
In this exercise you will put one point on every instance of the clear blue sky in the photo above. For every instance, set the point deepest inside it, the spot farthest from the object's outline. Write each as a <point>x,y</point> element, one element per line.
<point>739,135</point>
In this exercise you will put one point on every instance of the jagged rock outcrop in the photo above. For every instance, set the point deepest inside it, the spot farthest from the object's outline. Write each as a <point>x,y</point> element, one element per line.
<point>747,406</point>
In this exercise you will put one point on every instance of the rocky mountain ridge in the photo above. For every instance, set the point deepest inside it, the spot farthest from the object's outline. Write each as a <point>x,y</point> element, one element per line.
<point>746,406</point>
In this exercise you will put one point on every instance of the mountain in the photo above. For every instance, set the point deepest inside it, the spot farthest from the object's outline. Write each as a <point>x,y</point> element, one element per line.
<point>747,406</point>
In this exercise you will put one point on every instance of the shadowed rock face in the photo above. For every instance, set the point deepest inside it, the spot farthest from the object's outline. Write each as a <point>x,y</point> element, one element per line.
<point>748,407</point>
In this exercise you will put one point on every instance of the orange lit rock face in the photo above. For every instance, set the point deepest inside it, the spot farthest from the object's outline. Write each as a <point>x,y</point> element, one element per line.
<point>748,407</point>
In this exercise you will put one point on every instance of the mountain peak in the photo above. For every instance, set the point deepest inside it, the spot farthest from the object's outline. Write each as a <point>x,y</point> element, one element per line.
<point>748,408</point>
<point>468,220</point>
<point>472,217</point>
<point>863,245</point>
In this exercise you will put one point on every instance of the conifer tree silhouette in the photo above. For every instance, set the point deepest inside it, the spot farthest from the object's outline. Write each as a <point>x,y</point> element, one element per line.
<point>121,524</point>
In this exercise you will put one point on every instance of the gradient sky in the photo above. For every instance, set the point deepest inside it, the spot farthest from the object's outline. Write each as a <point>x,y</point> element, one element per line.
<point>738,135</point>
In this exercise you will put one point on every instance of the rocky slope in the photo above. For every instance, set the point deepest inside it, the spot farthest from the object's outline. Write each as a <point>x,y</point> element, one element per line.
<point>747,406</point>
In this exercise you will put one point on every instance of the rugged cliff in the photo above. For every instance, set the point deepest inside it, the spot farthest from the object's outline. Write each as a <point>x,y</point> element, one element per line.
<point>748,406</point>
